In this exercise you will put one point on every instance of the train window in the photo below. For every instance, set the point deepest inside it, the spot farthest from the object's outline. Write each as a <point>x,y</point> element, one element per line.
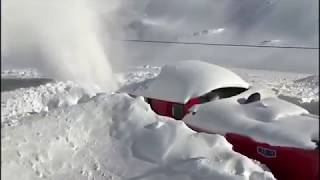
<point>177,111</point>
<point>221,93</point>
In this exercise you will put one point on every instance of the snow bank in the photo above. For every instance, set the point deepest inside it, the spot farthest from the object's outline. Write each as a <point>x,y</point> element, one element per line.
<point>271,120</point>
<point>117,137</point>
<point>43,98</point>
<point>183,80</point>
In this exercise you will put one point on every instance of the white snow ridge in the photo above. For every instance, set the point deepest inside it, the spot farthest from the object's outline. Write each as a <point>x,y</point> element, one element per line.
<point>113,136</point>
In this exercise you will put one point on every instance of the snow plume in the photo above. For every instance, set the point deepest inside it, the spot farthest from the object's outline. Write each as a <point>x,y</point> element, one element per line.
<point>63,38</point>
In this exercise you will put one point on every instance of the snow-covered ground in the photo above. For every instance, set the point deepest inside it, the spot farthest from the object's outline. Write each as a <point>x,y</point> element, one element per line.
<point>43,98</point>
<point>63,130</point>
<point>300,89</point>
<point>20,73</point>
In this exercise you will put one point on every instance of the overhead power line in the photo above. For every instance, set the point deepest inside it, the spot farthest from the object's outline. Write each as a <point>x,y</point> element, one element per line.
<point>221,44</point>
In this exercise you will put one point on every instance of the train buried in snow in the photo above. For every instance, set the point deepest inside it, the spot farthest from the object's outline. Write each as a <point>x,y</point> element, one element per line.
<point>212,99</point>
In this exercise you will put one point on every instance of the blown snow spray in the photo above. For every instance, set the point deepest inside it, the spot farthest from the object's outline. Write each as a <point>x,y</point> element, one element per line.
<point>61,38</point>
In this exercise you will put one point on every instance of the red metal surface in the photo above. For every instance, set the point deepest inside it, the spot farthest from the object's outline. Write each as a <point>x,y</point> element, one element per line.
<point>286,163</point>
<point>190,103</point>
<point>161,107</point>
<point>164,108</point>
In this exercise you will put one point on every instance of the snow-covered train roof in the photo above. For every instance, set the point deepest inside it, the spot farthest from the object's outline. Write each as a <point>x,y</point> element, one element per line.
<point>271,120</point>
<point>183,80</point>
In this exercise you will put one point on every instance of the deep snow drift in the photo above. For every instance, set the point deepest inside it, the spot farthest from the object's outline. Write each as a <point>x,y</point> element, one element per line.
<point>113,136</point>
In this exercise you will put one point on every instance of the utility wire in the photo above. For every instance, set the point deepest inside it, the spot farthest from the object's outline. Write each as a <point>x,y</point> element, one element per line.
<point>221,44</point>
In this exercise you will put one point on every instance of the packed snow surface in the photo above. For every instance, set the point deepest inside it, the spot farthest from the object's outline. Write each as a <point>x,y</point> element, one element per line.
<point>113,136</point>
<point>181,81</point>
<point>271,120</point>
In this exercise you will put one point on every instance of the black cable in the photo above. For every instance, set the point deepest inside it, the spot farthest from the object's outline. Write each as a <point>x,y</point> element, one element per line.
<point>221,44</point>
